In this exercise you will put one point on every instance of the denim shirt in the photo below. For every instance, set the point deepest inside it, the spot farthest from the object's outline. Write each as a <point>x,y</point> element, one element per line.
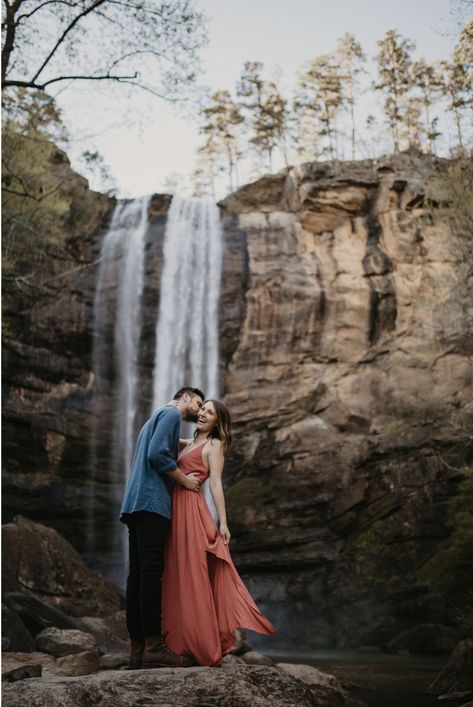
<point>148,487</point>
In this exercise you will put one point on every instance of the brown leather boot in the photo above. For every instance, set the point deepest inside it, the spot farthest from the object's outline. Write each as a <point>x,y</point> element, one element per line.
<point>157,655</point>
<point>136,654</point>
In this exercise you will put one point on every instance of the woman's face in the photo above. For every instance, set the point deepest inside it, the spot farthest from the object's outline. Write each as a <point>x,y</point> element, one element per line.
<point>207,418</point>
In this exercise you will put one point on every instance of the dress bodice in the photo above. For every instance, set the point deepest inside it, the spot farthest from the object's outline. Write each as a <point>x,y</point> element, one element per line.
<point>192,461</point>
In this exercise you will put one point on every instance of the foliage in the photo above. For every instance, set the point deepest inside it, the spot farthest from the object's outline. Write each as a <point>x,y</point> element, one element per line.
<point>350,58</point>
<point>43,202</point>
<point>265,109</point>
<point>394,66</point>
<point>143,43</point>
<point>452,193</point>
<point>319,100</point>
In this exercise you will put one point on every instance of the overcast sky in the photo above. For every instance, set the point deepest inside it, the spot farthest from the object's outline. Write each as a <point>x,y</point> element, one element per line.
<point>153,141</point>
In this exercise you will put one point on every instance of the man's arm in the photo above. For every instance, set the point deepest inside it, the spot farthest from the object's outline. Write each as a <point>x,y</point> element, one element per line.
<point>160,451</point>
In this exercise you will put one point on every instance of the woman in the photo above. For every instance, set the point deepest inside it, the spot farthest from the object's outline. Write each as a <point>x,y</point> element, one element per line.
<point>204,599</point>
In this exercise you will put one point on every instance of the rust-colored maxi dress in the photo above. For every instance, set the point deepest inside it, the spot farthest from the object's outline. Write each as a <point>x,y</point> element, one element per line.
<point>203,599</point>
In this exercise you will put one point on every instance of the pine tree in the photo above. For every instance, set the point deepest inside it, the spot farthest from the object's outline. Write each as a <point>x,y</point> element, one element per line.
<point>266,110</point>
<point>222,125</point>
<point>318,101</point>
<point>394,67</point>
<point>350,58</point>
<point>458,80</point>
<point>427,78</point>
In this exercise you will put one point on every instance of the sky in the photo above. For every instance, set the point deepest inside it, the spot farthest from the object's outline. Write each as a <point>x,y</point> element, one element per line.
<point>155,141</point>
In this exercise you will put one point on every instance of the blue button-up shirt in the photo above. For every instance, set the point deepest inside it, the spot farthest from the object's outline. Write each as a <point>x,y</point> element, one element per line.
<point>148,487</point>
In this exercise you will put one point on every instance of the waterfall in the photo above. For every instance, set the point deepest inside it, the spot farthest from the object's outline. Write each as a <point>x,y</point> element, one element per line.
<point>120,282</point>
<point>186,348</point>
<point>187,325</point>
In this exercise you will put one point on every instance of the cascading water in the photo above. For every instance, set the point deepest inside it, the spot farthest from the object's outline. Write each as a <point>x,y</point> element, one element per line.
<point>116,372</point>
<point>187,325</point>
<point>186,347</point>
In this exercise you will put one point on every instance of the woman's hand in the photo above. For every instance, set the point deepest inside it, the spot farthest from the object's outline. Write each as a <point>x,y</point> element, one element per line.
<point>225,533</point>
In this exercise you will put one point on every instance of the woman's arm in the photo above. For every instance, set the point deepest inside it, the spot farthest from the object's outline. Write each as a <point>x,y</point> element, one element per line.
<point>216,460</point>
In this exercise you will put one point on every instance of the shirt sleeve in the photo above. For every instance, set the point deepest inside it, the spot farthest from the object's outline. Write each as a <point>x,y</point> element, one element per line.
<point>161,454</point>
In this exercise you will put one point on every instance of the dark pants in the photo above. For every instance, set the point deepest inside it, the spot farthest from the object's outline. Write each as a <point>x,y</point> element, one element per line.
<point>147,533</point>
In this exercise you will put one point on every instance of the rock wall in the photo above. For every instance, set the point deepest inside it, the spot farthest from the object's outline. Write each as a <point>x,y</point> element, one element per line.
<point>346,363</point>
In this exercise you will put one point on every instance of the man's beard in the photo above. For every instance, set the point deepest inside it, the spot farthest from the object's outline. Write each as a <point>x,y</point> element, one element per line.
<point>191,417</point>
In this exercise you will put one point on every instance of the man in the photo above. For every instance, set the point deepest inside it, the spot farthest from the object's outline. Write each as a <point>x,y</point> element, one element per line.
<point>146,509</point>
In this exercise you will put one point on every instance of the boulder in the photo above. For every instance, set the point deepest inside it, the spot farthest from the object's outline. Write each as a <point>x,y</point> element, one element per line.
<point>237,685</point>
<point>32,670</point>
<point>39,562</point>
<point>15,661</point>
<point>324,686</point>
<point>15,632</point>
<point>255,658</point>
<point>457,673</point>
<point>83,663</point>
<point>110,632</point>
<point>59,642</point>
<point>113,661</point>
<point>36,614</point>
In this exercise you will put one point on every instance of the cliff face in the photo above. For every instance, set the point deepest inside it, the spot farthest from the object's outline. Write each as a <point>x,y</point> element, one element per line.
<point>346,363</point>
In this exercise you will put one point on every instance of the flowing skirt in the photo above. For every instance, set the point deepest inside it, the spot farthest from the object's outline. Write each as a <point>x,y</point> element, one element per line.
<point>203,599</point>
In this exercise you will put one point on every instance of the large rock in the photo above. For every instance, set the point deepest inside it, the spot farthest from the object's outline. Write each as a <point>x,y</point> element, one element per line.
<point>110,632</point>
<point>59,642</point>
<point>15,631</point>
<point>39,562</point>
<point>323,685</point>
<point>233,686</point>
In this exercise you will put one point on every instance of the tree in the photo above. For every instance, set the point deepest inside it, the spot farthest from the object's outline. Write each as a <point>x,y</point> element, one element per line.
<point>222,125</point>
<point>144,43</point>
<point>427,78</point>
<point>394,68</point>
<point>45,205</point>
<point>458,80</point>
<point>318,101</point>
<point>266,110</point>
<point>350,59</point>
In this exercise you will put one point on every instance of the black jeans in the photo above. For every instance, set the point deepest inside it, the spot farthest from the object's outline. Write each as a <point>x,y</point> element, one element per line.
<point>147,533</point>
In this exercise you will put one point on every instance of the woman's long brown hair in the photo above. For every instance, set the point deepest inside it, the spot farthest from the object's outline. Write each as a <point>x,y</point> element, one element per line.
<point>223,427</point>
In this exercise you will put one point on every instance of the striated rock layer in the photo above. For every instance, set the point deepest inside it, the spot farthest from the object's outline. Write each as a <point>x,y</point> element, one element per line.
<point>346,361</point>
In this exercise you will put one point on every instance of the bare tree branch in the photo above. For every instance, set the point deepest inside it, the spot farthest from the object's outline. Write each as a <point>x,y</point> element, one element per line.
<point>68,29</point>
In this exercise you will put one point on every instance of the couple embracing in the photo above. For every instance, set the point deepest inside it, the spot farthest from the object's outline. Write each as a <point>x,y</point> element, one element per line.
<point>184,597</point>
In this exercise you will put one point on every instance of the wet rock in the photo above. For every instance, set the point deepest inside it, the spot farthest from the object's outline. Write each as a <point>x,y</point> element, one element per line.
<point>59,642</point>
<point>457,674</point>
<point>38,561</point>
<point>15,633</point>
<point>235,686</point>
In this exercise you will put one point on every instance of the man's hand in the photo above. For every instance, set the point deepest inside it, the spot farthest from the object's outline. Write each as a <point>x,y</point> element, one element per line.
<point>225,533</point>
<point>191,482</point>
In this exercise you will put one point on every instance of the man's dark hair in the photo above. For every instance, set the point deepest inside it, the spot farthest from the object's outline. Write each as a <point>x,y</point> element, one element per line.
<point>192,392</point>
